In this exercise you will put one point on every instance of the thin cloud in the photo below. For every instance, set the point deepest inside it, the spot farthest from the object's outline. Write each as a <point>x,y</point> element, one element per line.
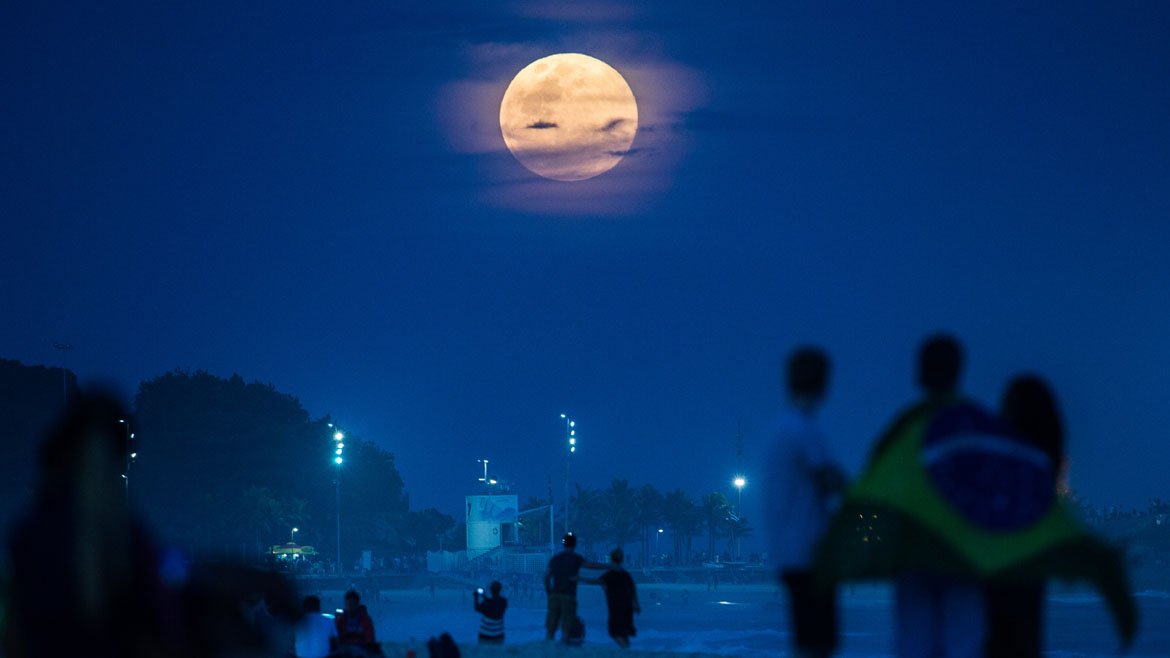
<point>541,125</point>
<point>611,125</point>
<point>624,153</point>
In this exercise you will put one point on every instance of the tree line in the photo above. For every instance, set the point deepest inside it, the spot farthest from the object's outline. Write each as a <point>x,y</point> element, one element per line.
<point>621,515</point>
<point>227,468</point>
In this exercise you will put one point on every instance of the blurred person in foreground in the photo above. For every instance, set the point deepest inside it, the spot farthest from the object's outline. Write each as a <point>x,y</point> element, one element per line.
<point>355,629</point>
<point>803,479</point>
<point>85,577</point>
<point>560,584</point>
<point>953,501</point>
<point>938,614</point>
<point>315,635</point>
<point>491,610</point>
<point>1015,606</point>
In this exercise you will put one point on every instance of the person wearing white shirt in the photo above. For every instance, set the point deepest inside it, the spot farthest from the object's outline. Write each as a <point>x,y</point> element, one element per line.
<point>802,481</point>
<point>316,634</point>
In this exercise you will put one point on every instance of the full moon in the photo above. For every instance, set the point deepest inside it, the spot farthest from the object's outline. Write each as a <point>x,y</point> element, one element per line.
<point>569,117</point>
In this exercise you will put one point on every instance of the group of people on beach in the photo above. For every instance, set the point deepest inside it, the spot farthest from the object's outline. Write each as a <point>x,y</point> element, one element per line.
<point>560,582</point>
<point>944,477</point>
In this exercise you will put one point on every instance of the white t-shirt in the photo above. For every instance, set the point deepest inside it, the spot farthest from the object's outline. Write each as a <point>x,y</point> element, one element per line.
<point>312,635</point>
<point>798,512</point>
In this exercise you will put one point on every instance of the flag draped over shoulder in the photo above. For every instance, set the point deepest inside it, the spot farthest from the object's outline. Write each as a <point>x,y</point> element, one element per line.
<point>950,489</point>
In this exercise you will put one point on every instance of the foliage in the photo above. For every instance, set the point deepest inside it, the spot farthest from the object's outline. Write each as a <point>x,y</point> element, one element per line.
<point>648,513</point>
<point>204,440</point>
<point>684,519</point>
<point>31,399</point>
<point>716,514</point>
<point>621,513</point>
<point>587,515</point>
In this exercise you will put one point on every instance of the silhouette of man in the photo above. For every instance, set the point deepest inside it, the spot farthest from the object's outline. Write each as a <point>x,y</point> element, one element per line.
<point>937,615</point>
<point>560,583</point>
<point>802,479</point>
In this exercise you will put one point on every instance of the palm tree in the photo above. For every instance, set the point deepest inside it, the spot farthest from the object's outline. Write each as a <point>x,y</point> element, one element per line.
<point>648,511</point>
<point>737,528</point>
<point>715,514</point>
<point>588,508</point>
<point>622,518</point>
<point>684,520</point>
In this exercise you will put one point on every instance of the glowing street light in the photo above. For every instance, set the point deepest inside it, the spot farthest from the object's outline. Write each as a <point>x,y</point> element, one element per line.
<point>292,535</point>
<point>571,436</point>
<point>339,447</point>
<point>739,483</point>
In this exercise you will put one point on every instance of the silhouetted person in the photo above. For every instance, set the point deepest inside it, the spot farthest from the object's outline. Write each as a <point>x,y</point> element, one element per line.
<point>1015,609</point>
<point>803,477</point>
<point>316,634</point>
<point>937,615</point>
<point>491,610</point>
<point>621,599</point>
<point>355,629</point>
<point>560,584</point>
<point>84,572</point>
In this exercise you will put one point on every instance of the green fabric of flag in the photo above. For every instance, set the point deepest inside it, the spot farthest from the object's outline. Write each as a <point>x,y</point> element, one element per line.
<point>894,519</point>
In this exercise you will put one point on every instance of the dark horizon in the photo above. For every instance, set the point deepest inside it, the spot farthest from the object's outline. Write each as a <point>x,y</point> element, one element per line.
<point>321,199</point>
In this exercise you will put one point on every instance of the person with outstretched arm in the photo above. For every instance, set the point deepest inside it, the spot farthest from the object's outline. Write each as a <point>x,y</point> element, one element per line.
<point>560,583</point>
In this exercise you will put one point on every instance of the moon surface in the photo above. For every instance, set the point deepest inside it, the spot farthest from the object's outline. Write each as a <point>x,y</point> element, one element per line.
<point>569,117</point>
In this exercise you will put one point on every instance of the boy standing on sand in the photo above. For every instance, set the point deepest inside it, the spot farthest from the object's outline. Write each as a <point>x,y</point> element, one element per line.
<point>621,597</point>
<point>802,479</point>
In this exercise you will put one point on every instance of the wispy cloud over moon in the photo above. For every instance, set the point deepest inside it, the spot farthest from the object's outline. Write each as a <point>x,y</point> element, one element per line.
<point>469,113</point>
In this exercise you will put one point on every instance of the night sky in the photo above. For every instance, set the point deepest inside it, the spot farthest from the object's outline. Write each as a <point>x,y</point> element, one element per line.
<point>321,199</point>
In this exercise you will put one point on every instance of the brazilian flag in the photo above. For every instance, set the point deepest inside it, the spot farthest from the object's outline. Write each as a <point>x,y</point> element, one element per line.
<point>949,488</point>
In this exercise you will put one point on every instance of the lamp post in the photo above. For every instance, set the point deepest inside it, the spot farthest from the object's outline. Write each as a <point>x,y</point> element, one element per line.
<point>657,536</point>
<point>338,436</point>
<point>130,455</point>
<point>739,481</point>
<point>486,483</point>
<point>292,535</point>
<point>571,436</point>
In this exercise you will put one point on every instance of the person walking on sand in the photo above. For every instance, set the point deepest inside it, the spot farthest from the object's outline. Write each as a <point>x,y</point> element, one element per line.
<point>803,478</point>
<point>560,584</point>
<point>621,598</point>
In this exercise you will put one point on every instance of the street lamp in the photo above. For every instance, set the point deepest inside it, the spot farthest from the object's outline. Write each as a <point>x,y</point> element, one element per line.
<point>657,536</point>
<point>338,435</point>
<point>292,535</point>
<point>571,436</point>
<point>129,457</point>
<point>739,481</point>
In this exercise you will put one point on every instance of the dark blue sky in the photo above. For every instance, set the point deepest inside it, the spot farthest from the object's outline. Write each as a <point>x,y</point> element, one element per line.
<point>320,199</point>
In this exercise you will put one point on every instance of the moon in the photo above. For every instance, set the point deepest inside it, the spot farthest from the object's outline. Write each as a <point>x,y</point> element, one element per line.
<point>569,117</point>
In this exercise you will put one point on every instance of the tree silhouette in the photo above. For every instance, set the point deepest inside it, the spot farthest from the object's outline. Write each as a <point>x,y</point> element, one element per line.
<point>684,520</point>
<point>715,515</point>
<point>648,505</point>
<point>621,513</point>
